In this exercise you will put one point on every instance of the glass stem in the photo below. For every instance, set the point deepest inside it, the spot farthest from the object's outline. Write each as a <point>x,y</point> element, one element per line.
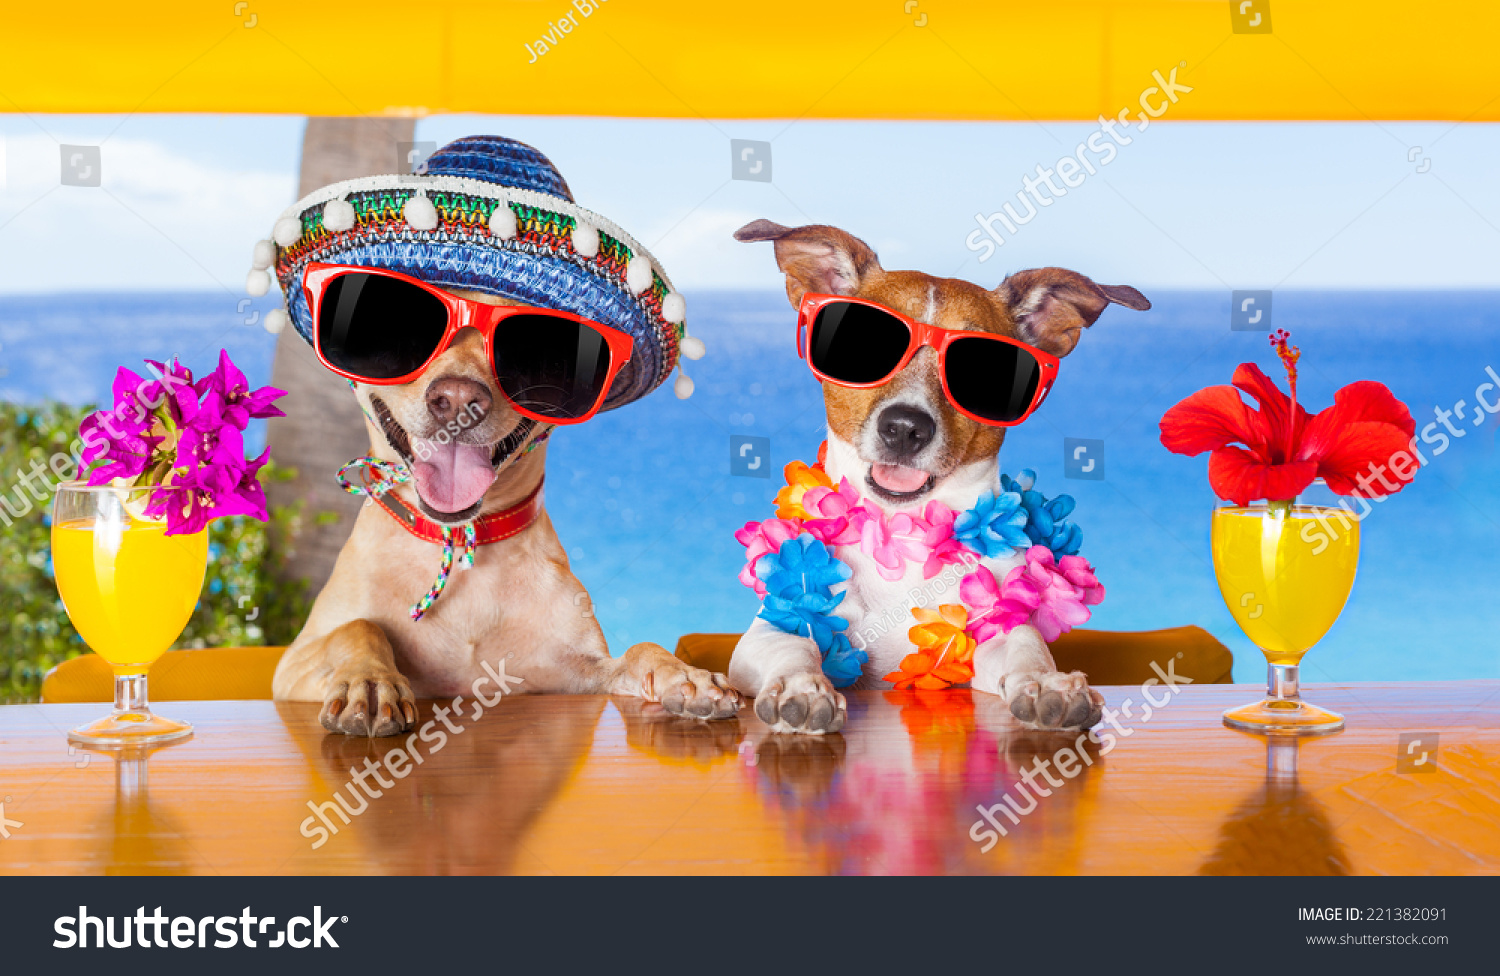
<point>130,693</point>
<point>1281,682</point>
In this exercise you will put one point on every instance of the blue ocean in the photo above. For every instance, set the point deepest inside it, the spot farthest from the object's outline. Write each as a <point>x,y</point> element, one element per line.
<point>645,503</point>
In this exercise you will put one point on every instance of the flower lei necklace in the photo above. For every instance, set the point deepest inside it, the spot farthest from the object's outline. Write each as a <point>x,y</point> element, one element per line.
<point>789,566</point>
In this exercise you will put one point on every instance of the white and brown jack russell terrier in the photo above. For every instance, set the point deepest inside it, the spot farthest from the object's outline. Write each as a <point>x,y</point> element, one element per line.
<point>903,444</point>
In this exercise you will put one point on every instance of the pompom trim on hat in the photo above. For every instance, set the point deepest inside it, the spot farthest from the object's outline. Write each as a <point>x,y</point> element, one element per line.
<point>489,191</point>
<point>338,216</point>
<point>419,212</point>
<point>638,274</point>
<point>586,240</point>
<point>263,256</point>
<point>288,231</point>
<point>503,223</point>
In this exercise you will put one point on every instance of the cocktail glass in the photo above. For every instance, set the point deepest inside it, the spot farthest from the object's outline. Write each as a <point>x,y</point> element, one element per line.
<point>129,589</point>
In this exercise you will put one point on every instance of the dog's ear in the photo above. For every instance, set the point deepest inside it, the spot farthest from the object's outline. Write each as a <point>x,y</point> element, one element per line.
<point>816,258</point>
<point>1052,306</point>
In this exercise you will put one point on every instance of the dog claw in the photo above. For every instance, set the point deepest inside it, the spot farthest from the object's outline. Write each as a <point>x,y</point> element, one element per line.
<point>377,706</point>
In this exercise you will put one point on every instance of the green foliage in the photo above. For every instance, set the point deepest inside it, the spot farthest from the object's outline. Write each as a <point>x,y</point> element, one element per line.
<point>246,599</point>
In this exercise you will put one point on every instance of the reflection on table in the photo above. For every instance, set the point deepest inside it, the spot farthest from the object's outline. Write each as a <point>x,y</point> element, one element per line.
<point>918,782</point>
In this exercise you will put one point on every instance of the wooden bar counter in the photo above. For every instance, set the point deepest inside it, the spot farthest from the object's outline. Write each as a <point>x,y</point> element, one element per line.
<point>595,785</point>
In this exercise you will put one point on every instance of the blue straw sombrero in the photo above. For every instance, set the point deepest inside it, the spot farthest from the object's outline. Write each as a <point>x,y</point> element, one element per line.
<point>488,214</point>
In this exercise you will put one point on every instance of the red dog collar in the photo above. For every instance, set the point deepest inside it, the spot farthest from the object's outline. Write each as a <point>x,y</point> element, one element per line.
<point>494,527</point>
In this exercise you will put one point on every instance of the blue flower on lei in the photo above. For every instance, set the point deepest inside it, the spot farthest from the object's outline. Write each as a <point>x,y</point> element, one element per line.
<point>1046,520</point>
<point>843,662</point>
<point>799,600</point>
<point>995,526</point>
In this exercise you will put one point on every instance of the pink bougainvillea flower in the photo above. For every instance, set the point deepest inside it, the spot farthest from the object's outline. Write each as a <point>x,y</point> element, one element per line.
<point>1351,445</point>
<point>159,434</point>
<point>237,403</point>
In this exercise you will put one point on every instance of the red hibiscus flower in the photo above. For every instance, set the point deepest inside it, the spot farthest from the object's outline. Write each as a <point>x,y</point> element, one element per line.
<point>1360,445</point>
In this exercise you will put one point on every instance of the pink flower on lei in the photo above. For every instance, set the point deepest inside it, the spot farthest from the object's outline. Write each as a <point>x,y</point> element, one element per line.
<point>892,540</point>
<point>1052,595</point>
<point>1067,588</point>
<point>759,538</point>
<point>996,609</point>
<point>838,514</point>
<point>943,548</point>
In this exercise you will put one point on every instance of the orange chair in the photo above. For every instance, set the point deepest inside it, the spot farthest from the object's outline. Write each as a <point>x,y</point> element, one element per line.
<point>211,673</point>
<point>1108,657</point>
<point>226,673</point>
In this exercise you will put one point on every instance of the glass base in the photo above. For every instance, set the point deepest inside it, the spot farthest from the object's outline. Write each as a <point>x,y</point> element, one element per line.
<point>1283,716</point>
<point>129,727</point>
<point>1282,711</point>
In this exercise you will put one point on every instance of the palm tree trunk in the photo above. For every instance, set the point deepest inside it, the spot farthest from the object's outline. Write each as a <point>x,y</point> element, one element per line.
<point>323,428</point>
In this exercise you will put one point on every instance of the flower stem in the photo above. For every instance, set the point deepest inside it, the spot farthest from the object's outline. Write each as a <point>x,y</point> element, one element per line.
<point>1280,509</point>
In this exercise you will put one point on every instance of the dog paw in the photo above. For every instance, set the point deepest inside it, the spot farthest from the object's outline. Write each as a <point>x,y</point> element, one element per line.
<point>369,701</point>
<point>805,702</point>
<point>692,692</point>
<point>1053,700</point>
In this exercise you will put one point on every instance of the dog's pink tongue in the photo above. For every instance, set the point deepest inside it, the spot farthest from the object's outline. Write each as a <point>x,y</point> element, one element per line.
<point>450,476</point>
<point>898,477</point>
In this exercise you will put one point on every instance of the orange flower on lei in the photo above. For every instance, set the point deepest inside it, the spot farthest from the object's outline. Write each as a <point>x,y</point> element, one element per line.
<point>799,478</point>
<point>945,654</point>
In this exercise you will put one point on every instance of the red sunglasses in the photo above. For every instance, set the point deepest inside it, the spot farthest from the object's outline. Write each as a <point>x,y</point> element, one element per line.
<point>992,379</point>
<point>386,328</point>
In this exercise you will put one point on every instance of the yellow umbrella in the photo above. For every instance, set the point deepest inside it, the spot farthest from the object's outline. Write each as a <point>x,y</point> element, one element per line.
<point>891,59</point>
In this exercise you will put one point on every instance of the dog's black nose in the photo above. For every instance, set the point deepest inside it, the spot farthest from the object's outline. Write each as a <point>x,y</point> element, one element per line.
<point>453,399</point>
<point>905,430</point>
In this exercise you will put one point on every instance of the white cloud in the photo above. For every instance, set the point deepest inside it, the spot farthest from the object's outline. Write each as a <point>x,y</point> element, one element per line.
<point>160,220</point>
<point>699,251</point>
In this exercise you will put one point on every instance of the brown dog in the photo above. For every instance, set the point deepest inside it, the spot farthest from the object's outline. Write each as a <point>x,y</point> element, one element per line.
<point>902,445</point>
<point>519,612</point>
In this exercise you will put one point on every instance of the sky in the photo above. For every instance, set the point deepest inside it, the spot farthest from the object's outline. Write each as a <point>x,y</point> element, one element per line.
<point>1184,205</point>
